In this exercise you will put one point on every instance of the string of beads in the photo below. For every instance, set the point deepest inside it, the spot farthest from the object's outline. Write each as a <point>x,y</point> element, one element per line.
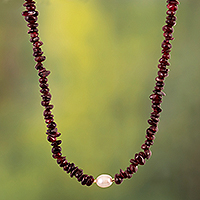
<point>52,132</point>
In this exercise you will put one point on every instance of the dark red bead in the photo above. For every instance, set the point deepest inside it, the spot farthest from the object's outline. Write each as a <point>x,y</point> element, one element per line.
<point>170,22</point>
<point>70,167</point>
<point>61,159</point>
<point>176,2</point>
<point>48,121</point>
<point>50,107</point>
<point>155,114</point>
<point>150,137</point>
<point>51,139</point>
<point>44,103</point>
<point>63,163</point>
<point>32,30</point>
<point>31,7</point>
<point>66,167</point>
<point>79,173</point>
<point>158,88</point>
<point>43,80</point>
<point>56,149</point>
<point>31,19</point>
<point>52,125</point>
<point>32,26</point>
<point>46,97</point>
<point>166,45</point>
<point>48,116</point>
<point>149,132</point>
<point>167,29</point>
<point>81,178</point>
<point>84,179</point>
<point>44,90</point>
<point>149,142</point>
<point>46,112</point>
<point>123,174</point>
<point>144,146</point>
<point>40,58</point>
<point>161,93</point>
<point>128,170</point>
<point>33,13</point>
<point>90,181</point>
<point>156,102</point>
<point>153,128</point>
<point>73,172</point>
<point>118,179</point>
<point>129,176</point>
<point>166,56</point>
<point>171,17</point>
<point>169,12</point>
<point>172,7</point>
<point>154,119</point>
<point>34,34</point>
<point>155,97</point>
<point>34,39</point>
<point>148,153</point>
<point>162,74</point>
<point>36,50</point>
<point>134,162</point>
<point>168,36</point>
<point>44,73</point>
<point>157,109</point>
<point>57,155</point>
<point>56,143</point>
<point>37,54</point>
<point>158,79</point>
<point>39,66</point>
<point>151,122</point>
<point>28,3</point>
<point>52,131</point>
<point>140,159</point>
<point>133,168</point>
<point>38,44</point>
<point>44,85</point>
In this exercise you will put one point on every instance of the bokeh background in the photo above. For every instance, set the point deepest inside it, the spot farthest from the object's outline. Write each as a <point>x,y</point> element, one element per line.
<point>103,55</point>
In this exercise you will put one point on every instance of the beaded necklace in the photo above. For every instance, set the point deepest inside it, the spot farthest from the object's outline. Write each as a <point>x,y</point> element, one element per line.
<point>140,158</point>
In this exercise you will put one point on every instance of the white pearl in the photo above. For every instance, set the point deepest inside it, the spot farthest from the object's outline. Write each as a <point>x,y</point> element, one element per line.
<point>104,181</point>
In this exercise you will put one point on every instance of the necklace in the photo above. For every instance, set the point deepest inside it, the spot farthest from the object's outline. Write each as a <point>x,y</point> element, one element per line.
<point>140,158</point>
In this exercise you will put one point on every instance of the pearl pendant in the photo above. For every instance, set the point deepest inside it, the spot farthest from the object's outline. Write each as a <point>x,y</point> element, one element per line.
<point>104,181</point>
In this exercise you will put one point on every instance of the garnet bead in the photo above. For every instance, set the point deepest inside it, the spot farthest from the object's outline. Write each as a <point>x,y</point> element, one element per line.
<point>134,162</point>
<point>51,139</point>
<point>144,146</point>
<point>30,7</point>
<point>56,149</point>
<point>172,7</point>
<point>70,167</point>
<point>78,173</point>
<point>133,168</point>
<point>57,155</point>
<point>39,66</point>
<point>148,153</point>
<point>61,160</point>
<point>73,172</point>
<point>118,179</point>
<point>56,143</point>
<point>90,181</point>
<point>37,44</point>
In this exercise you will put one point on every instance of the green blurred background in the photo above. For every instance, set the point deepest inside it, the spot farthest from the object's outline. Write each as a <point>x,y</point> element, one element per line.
<point>103,55</point>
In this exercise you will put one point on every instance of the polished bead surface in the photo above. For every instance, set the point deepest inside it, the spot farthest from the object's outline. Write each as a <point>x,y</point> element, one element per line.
<point>104,181</point>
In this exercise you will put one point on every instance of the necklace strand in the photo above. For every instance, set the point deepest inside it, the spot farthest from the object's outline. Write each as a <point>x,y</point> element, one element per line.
<point>156,98</point>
